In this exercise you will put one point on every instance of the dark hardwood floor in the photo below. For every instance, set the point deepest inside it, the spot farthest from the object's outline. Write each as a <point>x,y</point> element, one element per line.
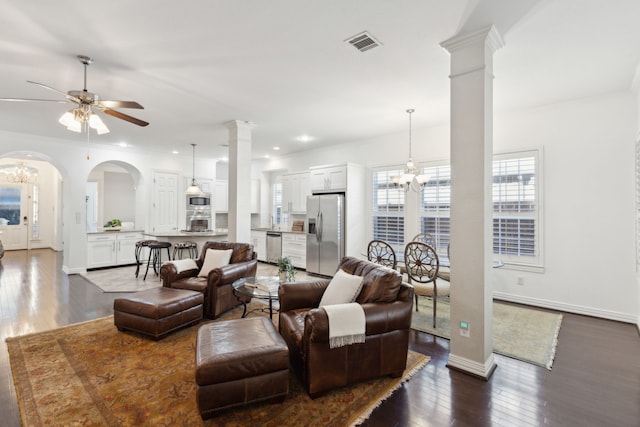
<point>595,379</point>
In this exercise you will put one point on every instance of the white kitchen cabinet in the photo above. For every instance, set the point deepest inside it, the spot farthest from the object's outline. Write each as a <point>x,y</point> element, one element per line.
<point>294,246</point>
<point>259,242</point>
<point>221,196</point>
<point>111,248</point>
<point>295,189</point>
<point>126,247</point>
<point>328,178</point>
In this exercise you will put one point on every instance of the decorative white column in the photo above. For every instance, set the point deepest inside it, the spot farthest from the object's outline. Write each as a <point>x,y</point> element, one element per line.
<point>471,200</point>
<point>240,180</point>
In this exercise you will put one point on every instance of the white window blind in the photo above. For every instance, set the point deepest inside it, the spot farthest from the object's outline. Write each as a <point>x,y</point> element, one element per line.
<point>435,206</point>
<point>637,205</point>
<point>388,208</point>
<point>276,203</point>
<point>515,207</point>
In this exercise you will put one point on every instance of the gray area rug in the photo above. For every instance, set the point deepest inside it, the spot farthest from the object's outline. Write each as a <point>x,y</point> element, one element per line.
<point>518,332</point>
<point>122,279</point>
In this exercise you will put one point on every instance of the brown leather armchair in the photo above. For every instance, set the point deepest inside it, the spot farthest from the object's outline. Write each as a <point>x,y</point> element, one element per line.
<point>387,303</point>
<point>216,287</point>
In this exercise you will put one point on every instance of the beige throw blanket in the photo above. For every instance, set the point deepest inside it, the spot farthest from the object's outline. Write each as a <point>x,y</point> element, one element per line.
<point>347,324</point>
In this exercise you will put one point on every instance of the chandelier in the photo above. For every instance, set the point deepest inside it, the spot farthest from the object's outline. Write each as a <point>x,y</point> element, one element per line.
<point>19,174</point>
<point>193,189</point>
<point>83,116</point>
<point>410,178</point>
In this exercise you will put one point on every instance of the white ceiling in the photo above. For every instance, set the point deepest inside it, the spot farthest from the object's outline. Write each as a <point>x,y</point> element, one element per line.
<point>285,65</point>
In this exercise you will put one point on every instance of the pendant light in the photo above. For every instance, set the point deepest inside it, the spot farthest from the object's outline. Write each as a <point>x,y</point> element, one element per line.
<point>193,189</point>
<point>410,177</point>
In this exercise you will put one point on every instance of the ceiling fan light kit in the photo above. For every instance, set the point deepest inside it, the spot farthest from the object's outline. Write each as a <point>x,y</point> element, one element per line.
<point>83,117</point>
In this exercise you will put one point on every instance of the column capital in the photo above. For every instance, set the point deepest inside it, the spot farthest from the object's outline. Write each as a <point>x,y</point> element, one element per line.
<point>487,35</point>
<point>240,124</point>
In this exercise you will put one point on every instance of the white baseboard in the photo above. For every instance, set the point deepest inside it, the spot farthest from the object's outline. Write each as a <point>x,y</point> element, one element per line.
<point>482,370</point>
<point>569,308</point>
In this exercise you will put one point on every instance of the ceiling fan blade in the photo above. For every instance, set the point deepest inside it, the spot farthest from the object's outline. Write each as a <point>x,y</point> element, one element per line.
<point>34,100</point>
<point>123,116</point>
<point>118,104</point>
<point>66,95</point>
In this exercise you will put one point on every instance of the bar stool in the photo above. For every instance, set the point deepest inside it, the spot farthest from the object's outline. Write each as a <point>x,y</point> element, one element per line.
<point>139,246</point>
<point>190,247</point>
<point>155,251</point>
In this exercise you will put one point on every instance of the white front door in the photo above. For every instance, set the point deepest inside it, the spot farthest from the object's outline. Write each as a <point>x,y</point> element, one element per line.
<point>14,215</point>
<point>165,202</point>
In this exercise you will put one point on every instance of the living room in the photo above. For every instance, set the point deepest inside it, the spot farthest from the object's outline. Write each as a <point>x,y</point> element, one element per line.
<point>585,141</point>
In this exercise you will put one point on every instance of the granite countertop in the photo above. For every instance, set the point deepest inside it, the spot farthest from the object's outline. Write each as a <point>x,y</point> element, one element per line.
<point>188,233</point>
<point>277,231</point>
<point>101,230</point>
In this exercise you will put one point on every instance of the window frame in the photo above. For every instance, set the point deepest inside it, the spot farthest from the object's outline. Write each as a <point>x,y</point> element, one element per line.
<point>399,213</point>
<point>516,262</point>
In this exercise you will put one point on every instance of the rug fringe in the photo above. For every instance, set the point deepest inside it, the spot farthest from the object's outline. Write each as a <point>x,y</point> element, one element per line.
<point>554,346</point>
<point>364,415</point>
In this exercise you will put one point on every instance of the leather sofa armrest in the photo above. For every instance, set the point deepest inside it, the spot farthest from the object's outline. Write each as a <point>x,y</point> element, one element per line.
<point>169,274</point>
<point>231,272</point>
<point>301,294</point>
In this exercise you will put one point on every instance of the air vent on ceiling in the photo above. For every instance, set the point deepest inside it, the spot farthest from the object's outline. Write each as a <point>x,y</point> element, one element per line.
<point>364,41</point>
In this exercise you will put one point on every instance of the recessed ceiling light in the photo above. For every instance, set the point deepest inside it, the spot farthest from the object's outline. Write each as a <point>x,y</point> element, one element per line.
<point>175,152</point>
<point>304,138</point>
<point>266,156</point>
<point>123,144</point>
<point>276,148</point>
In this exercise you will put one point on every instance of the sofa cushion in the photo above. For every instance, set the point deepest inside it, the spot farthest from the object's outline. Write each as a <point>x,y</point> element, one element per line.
<point>379,284</point>
<point>342,289</point>
<point>215,258</point>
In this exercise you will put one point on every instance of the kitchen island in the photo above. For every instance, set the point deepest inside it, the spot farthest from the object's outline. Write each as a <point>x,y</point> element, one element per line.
<point>199,237</point>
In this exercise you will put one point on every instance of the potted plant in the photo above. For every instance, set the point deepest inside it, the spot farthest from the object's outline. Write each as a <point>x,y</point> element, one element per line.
<point>286,270</point>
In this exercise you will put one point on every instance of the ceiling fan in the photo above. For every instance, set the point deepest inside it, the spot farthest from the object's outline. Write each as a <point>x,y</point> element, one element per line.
<point>83,114</point>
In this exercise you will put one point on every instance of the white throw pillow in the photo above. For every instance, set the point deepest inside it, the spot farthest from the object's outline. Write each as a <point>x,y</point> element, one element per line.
<point>215,258</point>
<point>184,264</point>
<point>342,289</point>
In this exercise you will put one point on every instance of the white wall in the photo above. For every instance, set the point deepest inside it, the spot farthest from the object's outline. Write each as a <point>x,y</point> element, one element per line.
<point>588,161</point>
<point>71,161</point>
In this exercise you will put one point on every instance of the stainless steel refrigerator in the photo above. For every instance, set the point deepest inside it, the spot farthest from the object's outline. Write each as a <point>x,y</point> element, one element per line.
<point>325,239</point>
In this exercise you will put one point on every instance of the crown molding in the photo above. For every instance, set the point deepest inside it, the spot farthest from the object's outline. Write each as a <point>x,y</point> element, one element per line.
<point>487,35</point>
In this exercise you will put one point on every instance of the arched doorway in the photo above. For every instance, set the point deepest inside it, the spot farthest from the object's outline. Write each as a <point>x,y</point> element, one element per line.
<point>30,200</point>
<point>111,194</point>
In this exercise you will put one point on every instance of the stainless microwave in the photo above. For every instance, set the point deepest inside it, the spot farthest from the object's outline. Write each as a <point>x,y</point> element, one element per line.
<point>200,200</point>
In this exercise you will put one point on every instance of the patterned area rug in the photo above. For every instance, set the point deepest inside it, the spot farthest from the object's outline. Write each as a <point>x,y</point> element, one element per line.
<point>91,374</point>
<point>518,332</point>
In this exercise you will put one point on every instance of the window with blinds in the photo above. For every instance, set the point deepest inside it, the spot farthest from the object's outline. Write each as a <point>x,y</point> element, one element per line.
<point>276,203</point>
<point>388,208</point>
<point>515,206</point>
<point>637,205</point>
<point>435,206</point>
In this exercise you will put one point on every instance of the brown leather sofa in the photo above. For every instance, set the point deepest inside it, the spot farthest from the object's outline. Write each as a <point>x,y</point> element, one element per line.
<point>216,287</point>
<point>387,304</point>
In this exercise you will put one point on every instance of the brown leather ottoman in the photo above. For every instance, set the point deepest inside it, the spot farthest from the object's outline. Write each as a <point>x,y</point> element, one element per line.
<point>158,311</point>
<point>239,362</point>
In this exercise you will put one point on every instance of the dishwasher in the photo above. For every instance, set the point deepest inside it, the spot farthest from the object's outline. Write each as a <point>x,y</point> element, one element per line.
<point>274,246</point>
